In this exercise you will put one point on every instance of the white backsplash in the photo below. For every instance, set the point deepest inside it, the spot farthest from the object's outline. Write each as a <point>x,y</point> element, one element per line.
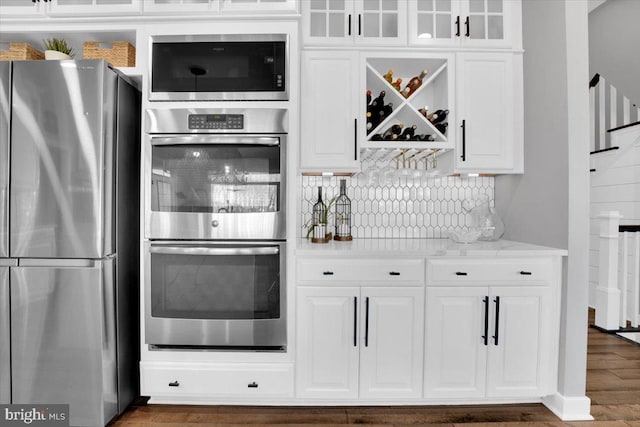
<point>400,207</point>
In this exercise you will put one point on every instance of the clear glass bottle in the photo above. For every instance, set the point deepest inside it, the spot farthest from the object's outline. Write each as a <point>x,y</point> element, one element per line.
<point>319,220</point>
<point>484,218</point>
<point>343,214</point>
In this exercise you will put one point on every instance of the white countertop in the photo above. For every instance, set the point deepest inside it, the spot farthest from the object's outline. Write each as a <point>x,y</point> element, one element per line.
<point>421,248</point>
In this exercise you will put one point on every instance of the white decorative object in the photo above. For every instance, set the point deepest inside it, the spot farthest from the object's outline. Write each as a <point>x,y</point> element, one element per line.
<point>55,55</point>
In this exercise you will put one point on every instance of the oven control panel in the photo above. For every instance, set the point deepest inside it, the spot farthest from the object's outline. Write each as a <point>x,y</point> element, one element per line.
<point>216,121</point>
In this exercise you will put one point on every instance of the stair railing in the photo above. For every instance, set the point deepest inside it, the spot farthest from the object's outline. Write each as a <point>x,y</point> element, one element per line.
<point>605,104</point>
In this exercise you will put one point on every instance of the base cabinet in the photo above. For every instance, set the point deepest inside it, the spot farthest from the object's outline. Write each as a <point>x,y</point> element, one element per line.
<point>360,342</point>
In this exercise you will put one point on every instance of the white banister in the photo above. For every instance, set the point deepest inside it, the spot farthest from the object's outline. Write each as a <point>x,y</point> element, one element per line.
<point>626,110</point>
<point>603,107</point>
<point>601,143</point>
<point>613,107</point>
<point>623,272</point>
<point>607,292</point>
<point>592,116</point>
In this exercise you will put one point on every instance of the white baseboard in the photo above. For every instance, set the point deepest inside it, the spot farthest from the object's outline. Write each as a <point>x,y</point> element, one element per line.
<point>569,408</point>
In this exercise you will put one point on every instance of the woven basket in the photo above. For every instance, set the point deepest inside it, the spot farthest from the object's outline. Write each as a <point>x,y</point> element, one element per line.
<point>19,52</point>
<point>121,54</point>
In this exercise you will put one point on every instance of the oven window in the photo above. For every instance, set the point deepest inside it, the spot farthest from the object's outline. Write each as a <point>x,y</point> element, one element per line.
<point>222,287</point>
<point>215,178</point>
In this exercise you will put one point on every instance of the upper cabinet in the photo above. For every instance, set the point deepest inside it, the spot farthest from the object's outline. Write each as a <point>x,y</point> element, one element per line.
<point>354,22</point>
<point>221,6</point>
<point>35,8</point>
<point>440,23</point>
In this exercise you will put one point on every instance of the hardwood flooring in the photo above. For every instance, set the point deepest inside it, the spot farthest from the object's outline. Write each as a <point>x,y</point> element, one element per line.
<point>613,385</point>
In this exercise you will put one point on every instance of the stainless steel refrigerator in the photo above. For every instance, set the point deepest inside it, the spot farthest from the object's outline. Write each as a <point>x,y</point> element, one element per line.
<point>69,280</point>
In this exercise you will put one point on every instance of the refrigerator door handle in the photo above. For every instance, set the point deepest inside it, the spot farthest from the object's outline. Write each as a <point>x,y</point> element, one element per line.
<point>57,262</point>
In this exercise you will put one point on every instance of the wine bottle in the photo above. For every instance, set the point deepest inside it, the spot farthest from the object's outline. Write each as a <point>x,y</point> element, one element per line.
<point>414,84</point>
<point>408,133</point>
<point>389,76</point>
<point>392,137</point>
<point>376,137</point>
<point>442,127</point>
<point>379,101</point>
<point>368,97</point>
<point>394,129</point>
<point>397,84</point>
<point>424,111</point>
<point>440,116</point>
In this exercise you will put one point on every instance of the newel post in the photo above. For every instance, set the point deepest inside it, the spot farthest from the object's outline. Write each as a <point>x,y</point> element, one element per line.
<point>607,291</point>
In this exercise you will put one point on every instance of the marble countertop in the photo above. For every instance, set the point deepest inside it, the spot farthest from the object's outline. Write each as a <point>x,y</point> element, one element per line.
<point>421,248</point>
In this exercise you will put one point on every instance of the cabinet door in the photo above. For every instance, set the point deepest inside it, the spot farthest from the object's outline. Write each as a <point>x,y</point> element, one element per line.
<point>22,8</point>
<point>486,105</point>
<point>380,22</point>
<point>391,340</point>
<point>487,23</point>
<point>328,22</point>
<point>329,112</point>
<point>455,351</point>
<point>258,6</point>
<point>434,22</point>
<point>181,6</point>
<point>327,357</point>
<point>94,7</point>
<point>519,353</point>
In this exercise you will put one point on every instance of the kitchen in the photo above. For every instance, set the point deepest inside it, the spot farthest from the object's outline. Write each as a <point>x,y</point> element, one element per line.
<point>159,367</point>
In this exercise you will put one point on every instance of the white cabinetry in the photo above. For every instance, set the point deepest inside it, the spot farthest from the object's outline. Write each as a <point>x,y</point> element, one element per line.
<point>189,7</point>
<point>360,341</point>
<point>490,112</point>
<point>329,118</point>
<point>62,8</point>
<point>490,334</point>
<point>464,23</point>
<point>348,22</point>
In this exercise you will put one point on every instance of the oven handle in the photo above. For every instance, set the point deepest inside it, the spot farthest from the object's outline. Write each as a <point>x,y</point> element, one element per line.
<point>217,139</point>
<point>178,250</point>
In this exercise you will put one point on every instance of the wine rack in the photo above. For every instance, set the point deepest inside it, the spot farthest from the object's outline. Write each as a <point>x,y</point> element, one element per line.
<point>436,92</point>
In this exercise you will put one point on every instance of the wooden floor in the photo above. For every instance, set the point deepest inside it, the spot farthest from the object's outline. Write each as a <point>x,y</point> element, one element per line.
<point>613,384</point>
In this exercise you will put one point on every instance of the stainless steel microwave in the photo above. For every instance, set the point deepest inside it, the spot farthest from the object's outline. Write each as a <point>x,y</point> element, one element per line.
<point>219,67</point>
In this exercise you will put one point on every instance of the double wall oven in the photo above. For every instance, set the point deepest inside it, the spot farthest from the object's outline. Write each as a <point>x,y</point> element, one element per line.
<point>215,186</point>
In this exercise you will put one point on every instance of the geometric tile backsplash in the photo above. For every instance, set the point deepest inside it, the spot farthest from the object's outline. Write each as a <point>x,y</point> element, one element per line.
<point>399,205</point>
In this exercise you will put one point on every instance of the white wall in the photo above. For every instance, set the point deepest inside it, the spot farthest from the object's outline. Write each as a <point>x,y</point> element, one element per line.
<point>614,44</point>
<point>549,204</point>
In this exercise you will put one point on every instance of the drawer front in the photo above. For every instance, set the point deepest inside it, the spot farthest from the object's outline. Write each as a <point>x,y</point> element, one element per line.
<point>370,270</point>
<point>224,382</point>
<point>489,271</point>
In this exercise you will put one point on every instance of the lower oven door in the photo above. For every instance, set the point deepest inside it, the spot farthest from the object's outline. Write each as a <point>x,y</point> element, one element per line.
<point>222,295</point>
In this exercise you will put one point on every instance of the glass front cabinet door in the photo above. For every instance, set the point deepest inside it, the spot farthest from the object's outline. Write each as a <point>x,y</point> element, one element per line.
<point>354,22</point>
<point>471,23</point>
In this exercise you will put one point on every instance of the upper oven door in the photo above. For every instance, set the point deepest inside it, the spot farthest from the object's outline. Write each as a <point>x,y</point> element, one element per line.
<point>219,67</point>
<point>215,187</point>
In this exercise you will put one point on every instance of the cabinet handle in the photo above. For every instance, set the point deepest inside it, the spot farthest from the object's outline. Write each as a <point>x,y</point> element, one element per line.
<point>359,24</point>
<point>495,330</point>
<point>525,273</point>
<point>464,141</point>
<point>174,384</point>
<point>349,25</point>
<point>394,273</point>
<point>355,139</point>
<point>252,385</point>
<point>327,273</point>
<point>458,26</point>
<point>468,26</point>
<point>485,337</point>
<point>461,273</point>
<point>355,321</point>
<point>366,324</point>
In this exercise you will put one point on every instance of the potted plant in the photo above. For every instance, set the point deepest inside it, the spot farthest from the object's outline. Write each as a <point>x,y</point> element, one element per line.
<point>57,49</point>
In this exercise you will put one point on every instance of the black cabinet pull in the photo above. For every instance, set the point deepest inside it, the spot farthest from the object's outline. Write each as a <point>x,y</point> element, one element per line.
<point>485,337</point>
<point>355,139</point>
<point>525,273</point>
<point>349,22</point>
<point>359,24</point>
<point>355,321</point>
<point>458,26</point>
<point>464,141</point>
<point>366,324</point>
<point>327,273</point>
<point>394,273</point>
<point>174,384</point>
<point>468,25</point>
<point>461,273</point>
<point>252,385</point>
<point>496,326</point>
